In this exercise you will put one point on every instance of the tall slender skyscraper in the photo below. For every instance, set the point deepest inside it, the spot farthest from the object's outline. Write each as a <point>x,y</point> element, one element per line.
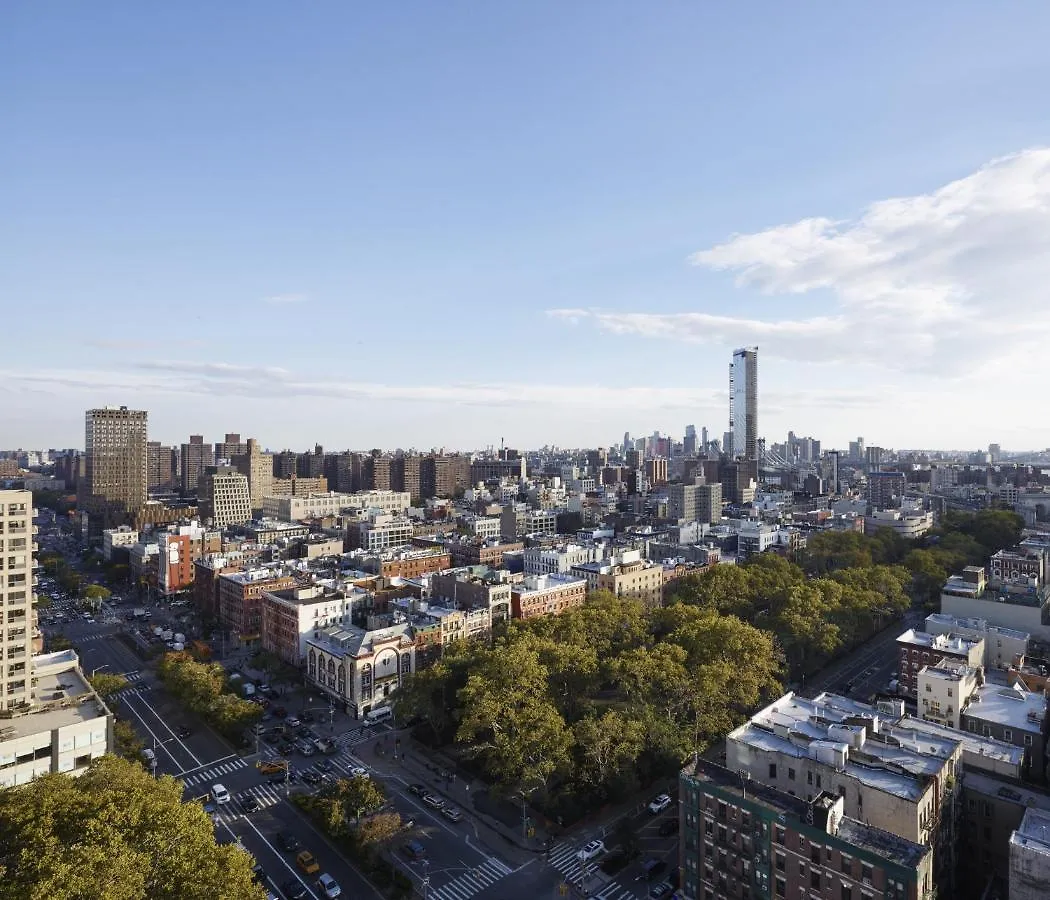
<point>743,402</point>
<point>113,488</point>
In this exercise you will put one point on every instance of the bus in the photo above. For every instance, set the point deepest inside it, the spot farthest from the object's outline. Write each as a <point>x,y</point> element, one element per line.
<point>379,714</point>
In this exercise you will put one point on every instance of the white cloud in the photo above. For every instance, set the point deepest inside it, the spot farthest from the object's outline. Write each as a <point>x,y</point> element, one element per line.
<point>285,299</point>
<point>940,282</point>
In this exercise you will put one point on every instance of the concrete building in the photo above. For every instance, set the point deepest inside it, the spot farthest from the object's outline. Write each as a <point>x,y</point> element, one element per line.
<point>357,669</point>
<point>909,525</point>
<point>755,537</point>
<point>404,562</point>
<point>560,559</point>
<point>394,503</point>
<point>545,595</point>
<point>223,496</point>
<point>115,539</point>
<point>1002,645</point>
<point>886,777</point>
<point>1023,566</point>
<point>1030,857</point>
<point>61,729</point>
<point>485,527</point>
<point>230,447</point>
<point>470,588</point>
<point>490,469</point>
<point>258,467</point>
<point>196,458</point>
<point>240,600</point>
<point>307,506</point>
<point>1019,607</point>
<point>1013,715</point>
<point>739,838</point>
<point>113,487</point>
<point>518,520</point>
<point>695,502</point>
<point>292,615</point>
<point>626,575</point>
<point>380,532</point>
<point>944,688</point>
<point>405,475</point>
<point>885,489</point>
<point>160,468</point>
<point>444,475</point>
<point>917,649</point>
<point>743,404</point>
<point>17,545</point>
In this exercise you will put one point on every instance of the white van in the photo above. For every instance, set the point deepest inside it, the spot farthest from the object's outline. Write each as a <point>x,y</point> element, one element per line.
<point>379,714</point>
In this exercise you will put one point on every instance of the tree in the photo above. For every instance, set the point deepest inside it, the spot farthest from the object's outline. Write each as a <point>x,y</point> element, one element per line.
<point>804,627</point>
<point>128,744</point>
<point>726,589</point>
<point>107,683</point>
<point>927,573</point>
<point>359,795</point>
<point>95,594</point>
<point>114,833</point>
<point>827,551</point>
<point>606,745</point>
<point>377,830</point>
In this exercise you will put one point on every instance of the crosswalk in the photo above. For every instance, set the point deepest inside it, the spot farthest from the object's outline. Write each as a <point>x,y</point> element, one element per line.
<point>87,637</point>
<point>471,882</point>
<point>140,690</point>
<point>215,773</point>
<point>266,794</point>
<point>563,858</point>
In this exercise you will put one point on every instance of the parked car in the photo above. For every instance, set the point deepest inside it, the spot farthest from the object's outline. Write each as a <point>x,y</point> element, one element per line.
<point>293,721</point>
<point>669,827</point>
<point>451,813</point>
<point>307,862</point>
<point>651,868</point>
<point>294,890</point>
<point>433,801</point>
<point>220,794</point>
<point>661,890</point>
<point>659,804</point>
<point>418,789</point>
<point>590,850</point>
<point>329,886</point>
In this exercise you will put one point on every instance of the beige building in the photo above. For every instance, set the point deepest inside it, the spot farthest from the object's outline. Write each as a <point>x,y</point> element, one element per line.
<point>16,596</point>
<point>292,615</point>
<point>626,575</point>
<point>258,467</point>
<point>114,538</point>
<point>546,595</point>
<point>695,502</point>
<point>113,487</point>
<point>360,670</point>
<point>306,506</point>
<point>944,690</point>
<point>223,497</point>
<point>469,589</point>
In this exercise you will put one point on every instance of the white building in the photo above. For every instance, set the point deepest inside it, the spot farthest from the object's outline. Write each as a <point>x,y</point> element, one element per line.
<point>291,616</point>
<point>311,506</point>
<point>909,525</point>
<point>1001,645</point>
<point>65,727</point>
<point>1030,857</point>
<point>560,560</point>
<point>381,531</point>
<point>393,502</point>
<point>755,537</point>
<point>944,689</point>
<point>358,669</point>
<point>485,527</point>
<point>113,538</point>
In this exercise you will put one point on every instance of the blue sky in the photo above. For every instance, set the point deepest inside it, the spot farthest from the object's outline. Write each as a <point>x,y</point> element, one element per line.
<point>442,224</point>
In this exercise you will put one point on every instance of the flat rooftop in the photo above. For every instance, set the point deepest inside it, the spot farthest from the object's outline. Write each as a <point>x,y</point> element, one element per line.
<point>1033,834</point>
<point>973,744</point>
<point>62,698</point>
<point>1009,706</point>
<point>1021,794</point>
<point>942,643</point>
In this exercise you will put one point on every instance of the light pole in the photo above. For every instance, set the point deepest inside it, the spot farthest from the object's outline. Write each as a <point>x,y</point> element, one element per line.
<point>97,668</point>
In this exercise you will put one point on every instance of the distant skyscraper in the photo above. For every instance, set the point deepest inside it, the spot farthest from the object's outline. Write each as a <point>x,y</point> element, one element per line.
<point>196,457</point>
<point>743,402</point>
<point>113,488</point>
<point>689,444</point>
<point>703,439</point>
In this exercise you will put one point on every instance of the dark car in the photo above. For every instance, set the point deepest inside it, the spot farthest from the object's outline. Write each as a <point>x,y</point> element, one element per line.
<point>288,842</point>
<point>258,874</point>
<point>251,804</point>
<point>414,850</point>
<point>669,826</point>
<point>311,778</point>
<point>651,868</point>
<point>293,890</point>
<point>418,789</point>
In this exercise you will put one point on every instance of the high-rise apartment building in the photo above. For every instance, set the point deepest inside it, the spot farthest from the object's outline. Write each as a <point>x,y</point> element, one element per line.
<point>406,475</point>
<point>196,457</point>
<point>695,502</point>
<point>16,597</point>
<point>444,475</point>
<point>743,402</point>
<point>223,497</point>
<point>230,446</point>
<point>160,468</point>
<point>113,488</point>
<point>258,466</point>
<point>310,465</point>
<point>284,464</point>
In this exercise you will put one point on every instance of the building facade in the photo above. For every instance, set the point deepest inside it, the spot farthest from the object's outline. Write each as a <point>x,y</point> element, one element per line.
<point>240,600</point>
<point>917,649</point>
<point>223,496</point>
<point>743,403</point>
<point>197,456</point>
<point>17,580</point>
<point>113,487</point>
<point>545,595</point>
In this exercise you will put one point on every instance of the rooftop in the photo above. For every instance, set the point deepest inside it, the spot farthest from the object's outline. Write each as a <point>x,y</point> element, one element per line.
<point>953,623</point>
<point>876,841</point>
<point>1021,794</point>
<point>1014,707</point>
<point>349,640</point>
<point>1033,834</point>
<point>947,670</point>
<point>943,643</point>
<point>62,698</point>
<point>973,744</point>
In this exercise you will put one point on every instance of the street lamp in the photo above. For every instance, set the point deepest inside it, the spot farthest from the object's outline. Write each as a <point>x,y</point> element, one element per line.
<point>94,670</point>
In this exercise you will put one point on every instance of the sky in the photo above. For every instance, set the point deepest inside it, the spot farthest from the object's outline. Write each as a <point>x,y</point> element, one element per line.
<point>451,224</point>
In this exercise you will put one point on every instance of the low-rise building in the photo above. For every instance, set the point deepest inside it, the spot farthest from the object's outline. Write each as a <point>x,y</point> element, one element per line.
<point>114,539</point>
<point>1001,645</point>
<point>1015,716</point>
<point>917,649</point>
<point>1030,857</point>
<point>473,588</point>
<point>380,532</point>
<point>1019,606</point>
<point>309,506</point>
<point>560,559</point>
<point>755,537</point>
<point>626,575</point>
<point>1024,566</point>
<point>360,670</point>
<point>292,615</point>
<point>909,525</point>
<point>944,688</point>
<point>740,838</point>
<point>518,520</point>
<point>548,594</point>
<point>476,552</point>
<point>240,600</point>
<point>63,728</point>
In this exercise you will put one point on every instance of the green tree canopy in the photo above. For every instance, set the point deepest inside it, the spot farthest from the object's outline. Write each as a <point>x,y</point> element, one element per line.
<point>114,833</point>
<point>107,683</point>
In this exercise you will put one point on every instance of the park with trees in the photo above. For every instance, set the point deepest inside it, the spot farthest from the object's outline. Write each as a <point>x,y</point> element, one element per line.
<point>204,689</point>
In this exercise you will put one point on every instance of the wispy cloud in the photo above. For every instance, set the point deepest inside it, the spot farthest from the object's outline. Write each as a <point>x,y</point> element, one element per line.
<point>285,299</point>
<point>931,282</point>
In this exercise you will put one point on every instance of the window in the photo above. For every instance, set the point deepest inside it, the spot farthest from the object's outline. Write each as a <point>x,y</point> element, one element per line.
<point>929,690</point>
<point>847,893</point>
<point>781,887</point>
<point>772,770</point>
<point>1008,735</point>
<point>791,774</point>
<point>809,776</point>
<point>1028,740</point>
<point>778,834</point>
<point>814,880</point>
<point>865,872</point>
<point>973,726</point>
<point>780,862</point>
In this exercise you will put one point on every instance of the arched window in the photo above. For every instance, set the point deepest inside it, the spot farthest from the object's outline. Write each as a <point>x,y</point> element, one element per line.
<point>313,665</point>
<point>366,681</point>
<point>342,680</point>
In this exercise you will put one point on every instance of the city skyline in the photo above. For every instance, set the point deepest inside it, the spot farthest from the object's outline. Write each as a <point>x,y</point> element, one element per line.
<point>625,214</point>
